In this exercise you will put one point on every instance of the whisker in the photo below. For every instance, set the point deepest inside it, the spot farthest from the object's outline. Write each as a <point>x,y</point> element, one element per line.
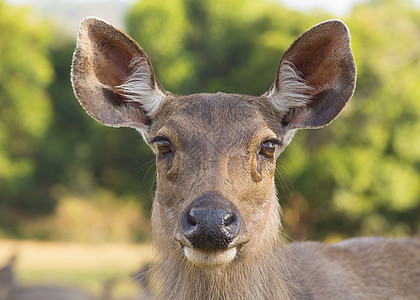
<point>284,181</point>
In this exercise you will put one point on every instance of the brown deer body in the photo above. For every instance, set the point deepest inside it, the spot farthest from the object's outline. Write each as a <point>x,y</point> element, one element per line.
<point>215,215</point>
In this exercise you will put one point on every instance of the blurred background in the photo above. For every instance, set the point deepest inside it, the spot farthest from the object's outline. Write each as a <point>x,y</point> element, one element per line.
<point>75,196</point>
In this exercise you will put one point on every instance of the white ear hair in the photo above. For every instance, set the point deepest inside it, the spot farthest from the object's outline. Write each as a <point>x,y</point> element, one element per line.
<point>139,88</point>
<point>291,90</point>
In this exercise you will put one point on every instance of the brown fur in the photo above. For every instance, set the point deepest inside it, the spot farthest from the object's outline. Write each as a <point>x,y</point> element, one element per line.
<point>216,143</point>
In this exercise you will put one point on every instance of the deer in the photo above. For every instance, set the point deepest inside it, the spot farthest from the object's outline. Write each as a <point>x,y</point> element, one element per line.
<point>216,219</point>
<point>12,290</point>
<point>7,280</point>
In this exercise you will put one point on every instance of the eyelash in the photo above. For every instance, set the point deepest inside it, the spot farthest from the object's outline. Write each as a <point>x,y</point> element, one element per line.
<point>157,139</point>
<point>163,144</point>
<point>269,151</point>
<point>274,141</point>
<point>161,138</point>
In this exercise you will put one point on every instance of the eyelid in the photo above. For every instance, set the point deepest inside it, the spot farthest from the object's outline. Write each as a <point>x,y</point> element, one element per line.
<point>274,141</point>
<point>157,139</point>
<point>162,137</point>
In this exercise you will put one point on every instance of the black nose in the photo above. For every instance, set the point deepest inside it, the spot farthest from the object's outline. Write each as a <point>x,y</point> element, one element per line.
<point>210,222</point>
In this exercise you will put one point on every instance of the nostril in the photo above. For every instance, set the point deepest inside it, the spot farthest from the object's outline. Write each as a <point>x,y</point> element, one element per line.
<point>231,225</point>
<point>192,220</point>
<point>228,219</point>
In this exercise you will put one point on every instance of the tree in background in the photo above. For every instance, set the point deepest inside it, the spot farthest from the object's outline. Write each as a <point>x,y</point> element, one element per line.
<point>25,109</point>
<point>210,46</point>
<point>371,161</point>
<point>50,151</point>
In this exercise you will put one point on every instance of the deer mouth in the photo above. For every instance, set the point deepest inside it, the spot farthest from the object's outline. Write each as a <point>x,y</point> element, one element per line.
<point>210,258</point>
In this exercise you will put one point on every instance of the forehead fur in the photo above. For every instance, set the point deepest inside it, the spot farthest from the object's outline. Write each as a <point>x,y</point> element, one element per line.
<point>210,114</point>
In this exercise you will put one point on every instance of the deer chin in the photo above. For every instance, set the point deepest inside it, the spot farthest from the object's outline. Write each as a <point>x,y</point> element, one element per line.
<point>210,258</point>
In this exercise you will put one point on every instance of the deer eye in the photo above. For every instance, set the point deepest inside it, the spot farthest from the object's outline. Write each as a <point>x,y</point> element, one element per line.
<point>268,148</point>
<point>164,146</point>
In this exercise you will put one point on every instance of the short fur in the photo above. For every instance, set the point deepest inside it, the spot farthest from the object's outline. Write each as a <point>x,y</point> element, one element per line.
<point>216,147</point>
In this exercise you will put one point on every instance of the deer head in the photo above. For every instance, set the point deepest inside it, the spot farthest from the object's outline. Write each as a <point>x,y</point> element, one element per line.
<point>215,201</point>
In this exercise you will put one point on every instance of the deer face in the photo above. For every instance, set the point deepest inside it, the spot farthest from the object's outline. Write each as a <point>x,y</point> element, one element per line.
<point>215,158</point>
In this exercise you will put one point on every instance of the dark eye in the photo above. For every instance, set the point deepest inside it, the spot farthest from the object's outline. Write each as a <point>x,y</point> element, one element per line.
<point>164,146</point>
<point>268,148</point>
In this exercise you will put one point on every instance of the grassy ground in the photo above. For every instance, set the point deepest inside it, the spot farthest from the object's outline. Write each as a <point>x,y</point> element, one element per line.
<point>83,265</point>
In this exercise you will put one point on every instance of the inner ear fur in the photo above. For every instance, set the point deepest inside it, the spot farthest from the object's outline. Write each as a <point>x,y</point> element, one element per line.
<point>322,76</point>
<point>104,60</point>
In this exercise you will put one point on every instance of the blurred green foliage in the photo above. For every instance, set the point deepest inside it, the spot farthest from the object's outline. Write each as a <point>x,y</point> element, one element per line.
<point>209,46</point>
<point>47,142</point>
<point>25,106</point>
<point>361,175</point>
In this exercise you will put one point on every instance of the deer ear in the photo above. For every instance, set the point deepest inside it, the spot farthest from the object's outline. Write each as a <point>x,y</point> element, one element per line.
<point>113,78</point>
<point>316,77</point>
